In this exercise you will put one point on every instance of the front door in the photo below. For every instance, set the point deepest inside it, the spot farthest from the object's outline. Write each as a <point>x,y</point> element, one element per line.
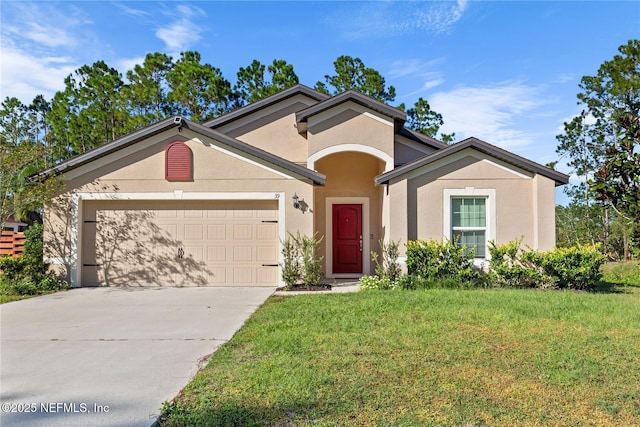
<point>347,239</point>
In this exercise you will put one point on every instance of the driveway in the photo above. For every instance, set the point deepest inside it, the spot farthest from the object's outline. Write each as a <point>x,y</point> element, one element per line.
<point>111,356</point>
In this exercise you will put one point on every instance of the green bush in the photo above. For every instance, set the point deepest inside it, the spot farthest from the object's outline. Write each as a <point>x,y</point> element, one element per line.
<point>27,274</point>
<point>302,265</point>
<point>388,268</point>
<point>576,267</point>
<point>622,273</point>
<point>513,267</point>
<point>440,260</point>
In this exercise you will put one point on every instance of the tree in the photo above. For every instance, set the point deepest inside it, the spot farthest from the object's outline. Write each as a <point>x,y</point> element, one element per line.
<point>603,143</point>
<point>200,90</point>
<point>253,85</point>
<point>90,111</point>
<point>21,155</point>
<point>351,74</point>
<point>423,119</point>
<point>146,94</point>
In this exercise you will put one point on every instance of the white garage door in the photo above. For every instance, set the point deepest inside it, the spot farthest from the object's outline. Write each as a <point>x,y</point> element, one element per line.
<point>225,243</point>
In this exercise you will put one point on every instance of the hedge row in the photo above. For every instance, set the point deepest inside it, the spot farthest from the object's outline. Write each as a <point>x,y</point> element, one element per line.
<point>445,264</point>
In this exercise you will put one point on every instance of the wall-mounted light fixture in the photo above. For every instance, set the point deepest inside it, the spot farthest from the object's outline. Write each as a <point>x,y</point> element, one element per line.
<point>299,204</point>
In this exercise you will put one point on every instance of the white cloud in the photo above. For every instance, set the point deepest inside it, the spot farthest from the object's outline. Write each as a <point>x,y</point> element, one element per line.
<point>489,112</point>
<point>47,35</point>
<point>392,18</point>
<point>410,67</point>
<point>25,76</point>
<point>125,64</point>
<point>180,34</point>
<point>441,16</point>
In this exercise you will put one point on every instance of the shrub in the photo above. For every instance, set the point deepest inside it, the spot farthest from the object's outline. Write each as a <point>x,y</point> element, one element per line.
<point>513,267</point>
<point>576,267</point>
<point>291,268</point>
<point>440,260</point>
<point>27,274</point>
<point>388,269</point>
<point>301,262</point>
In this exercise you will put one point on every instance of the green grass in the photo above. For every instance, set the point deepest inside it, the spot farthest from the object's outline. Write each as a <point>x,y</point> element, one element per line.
<point>437,357</point>
<point>622,273</point>
<point>9,295</point>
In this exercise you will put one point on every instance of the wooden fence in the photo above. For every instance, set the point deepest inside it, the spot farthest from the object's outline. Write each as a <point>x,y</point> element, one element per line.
<point>12,243</point>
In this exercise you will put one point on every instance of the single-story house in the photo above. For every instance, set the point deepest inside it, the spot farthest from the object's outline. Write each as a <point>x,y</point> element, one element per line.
<point>180,203</point>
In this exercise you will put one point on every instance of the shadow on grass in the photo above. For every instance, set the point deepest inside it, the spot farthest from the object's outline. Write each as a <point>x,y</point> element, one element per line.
<point>608,287</point>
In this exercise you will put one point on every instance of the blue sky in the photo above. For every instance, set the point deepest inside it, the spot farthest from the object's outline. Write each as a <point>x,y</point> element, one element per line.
<point>506,72</point>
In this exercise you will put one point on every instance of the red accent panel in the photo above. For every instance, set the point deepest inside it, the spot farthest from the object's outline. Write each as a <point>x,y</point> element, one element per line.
<point>347,237</point>
<point>178,162</point>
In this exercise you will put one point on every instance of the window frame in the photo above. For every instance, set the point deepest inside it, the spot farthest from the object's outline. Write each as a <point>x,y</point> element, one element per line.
<point>489,194</point>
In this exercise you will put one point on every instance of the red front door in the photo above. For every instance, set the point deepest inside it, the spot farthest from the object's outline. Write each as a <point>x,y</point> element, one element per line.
<point>347,239</point>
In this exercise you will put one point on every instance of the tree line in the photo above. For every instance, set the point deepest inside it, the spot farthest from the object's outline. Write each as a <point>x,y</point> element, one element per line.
<point>98,104</point>
<point>602,146</point>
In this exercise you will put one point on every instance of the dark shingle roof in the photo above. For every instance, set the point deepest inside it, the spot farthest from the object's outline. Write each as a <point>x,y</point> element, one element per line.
<point>266,102</point>
<point>478,145</point>
<point>180,122</point>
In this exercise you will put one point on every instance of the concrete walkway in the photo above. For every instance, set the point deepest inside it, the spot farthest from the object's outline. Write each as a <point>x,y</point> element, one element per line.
<point>110,356</point>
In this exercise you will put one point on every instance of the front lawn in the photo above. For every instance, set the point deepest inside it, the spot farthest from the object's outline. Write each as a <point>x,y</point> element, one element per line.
<point>436,357</point>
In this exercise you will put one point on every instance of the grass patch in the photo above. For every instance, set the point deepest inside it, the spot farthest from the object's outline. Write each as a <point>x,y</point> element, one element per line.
<point>435,357</point>
<point>622,273</point>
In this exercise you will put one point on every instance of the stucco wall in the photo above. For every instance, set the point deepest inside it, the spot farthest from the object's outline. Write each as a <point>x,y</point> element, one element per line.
<point>138,172</point>
<point>524,202</point>
<point>350,124</point>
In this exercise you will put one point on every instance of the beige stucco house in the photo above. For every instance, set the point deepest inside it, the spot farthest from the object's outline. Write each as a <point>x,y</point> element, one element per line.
<point>180,203</point>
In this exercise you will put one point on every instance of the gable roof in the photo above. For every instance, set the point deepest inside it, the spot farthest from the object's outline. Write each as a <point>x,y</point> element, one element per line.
<point>180,122</point>
<point>481,146</point>
<point>298,89</point>
<point>398,116</point>
<point>421,138</point>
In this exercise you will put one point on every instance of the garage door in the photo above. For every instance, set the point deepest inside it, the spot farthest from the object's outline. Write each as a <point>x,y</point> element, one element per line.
<point>225,243</point>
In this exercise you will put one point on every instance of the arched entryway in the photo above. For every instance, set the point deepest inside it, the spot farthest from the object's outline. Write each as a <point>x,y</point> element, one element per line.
<point>349,212</point>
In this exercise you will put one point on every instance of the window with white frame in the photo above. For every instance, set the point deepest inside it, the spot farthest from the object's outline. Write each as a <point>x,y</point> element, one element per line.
<point>469,223</point>
<point>474,220</point>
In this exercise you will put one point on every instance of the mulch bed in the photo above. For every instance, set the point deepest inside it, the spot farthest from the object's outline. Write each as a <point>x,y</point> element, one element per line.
<point>305,288</point>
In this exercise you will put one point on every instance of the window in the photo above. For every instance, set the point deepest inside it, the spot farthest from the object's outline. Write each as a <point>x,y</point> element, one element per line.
<point>469,223</point>
<point>178,162</point>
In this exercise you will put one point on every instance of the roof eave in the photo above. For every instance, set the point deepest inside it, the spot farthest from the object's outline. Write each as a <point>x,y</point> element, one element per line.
<point>558,177</point>
<point>266,102</point>
<point>110,147</point>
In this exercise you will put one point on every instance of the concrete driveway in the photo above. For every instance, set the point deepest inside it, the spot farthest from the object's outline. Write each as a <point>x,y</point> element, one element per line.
<point>110,356</point>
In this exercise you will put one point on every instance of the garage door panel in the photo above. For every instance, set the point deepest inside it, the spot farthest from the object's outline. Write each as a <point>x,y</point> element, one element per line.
<point>194,231</point>
<point>177,244</point>
<point>217,253</point>
<point>243,232</point>
<point>242,276</point>
<point>266,232</point>
<point>266,275</point>
<point>266,254</point>
<point>242,253</point>
<point>193,213</point>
